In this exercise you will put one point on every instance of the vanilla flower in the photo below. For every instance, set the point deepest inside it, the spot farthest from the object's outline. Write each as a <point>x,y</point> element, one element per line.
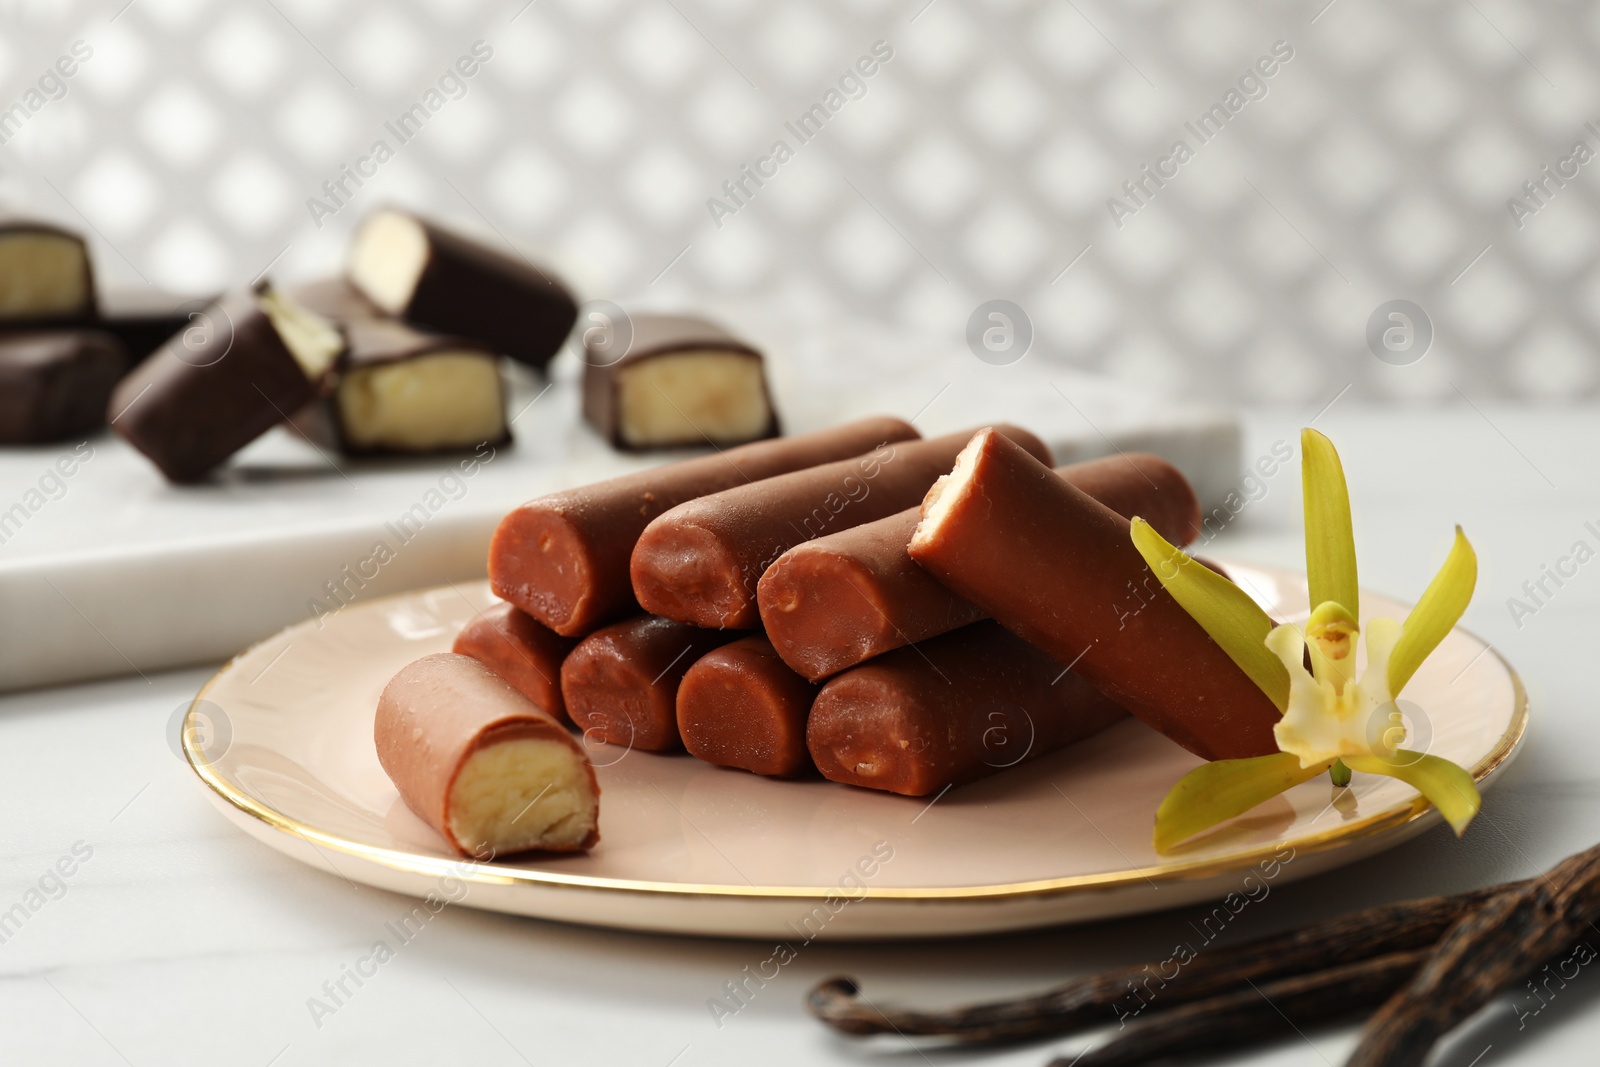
<point>1333,719</point>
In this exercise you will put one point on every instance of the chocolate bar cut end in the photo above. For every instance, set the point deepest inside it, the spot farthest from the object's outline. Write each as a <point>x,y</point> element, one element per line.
<point>518,793</point>
<point>684,381</point>
<point>44,273</point>
<point>445,399</point>
<point>387,259</point>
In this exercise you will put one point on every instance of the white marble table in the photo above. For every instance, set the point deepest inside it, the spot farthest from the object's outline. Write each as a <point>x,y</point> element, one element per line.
<point>180,941</point>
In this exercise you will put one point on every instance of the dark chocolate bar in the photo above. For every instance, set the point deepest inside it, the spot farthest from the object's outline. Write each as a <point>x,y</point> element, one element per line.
<point>44,273</point>
<point>400,389</point>
<point>682,381</point>
<point>248,362</point>
<point>56,384</point>
<point>442,281</point>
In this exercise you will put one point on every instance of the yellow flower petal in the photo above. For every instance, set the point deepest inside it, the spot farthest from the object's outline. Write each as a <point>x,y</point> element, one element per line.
<point>1446,785</point>
<point>1223,610</point>
<point>1330,540</point>
<point>1218,791</point>
<point>1436,614</point>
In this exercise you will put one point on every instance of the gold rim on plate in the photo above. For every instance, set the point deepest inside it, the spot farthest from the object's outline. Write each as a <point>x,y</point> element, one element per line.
<point>496,874</point>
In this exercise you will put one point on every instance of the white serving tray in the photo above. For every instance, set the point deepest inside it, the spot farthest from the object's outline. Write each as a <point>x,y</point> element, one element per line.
<point>113,571</point>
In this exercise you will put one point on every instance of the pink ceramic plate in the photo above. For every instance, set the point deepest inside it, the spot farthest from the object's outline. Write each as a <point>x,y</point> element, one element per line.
<point>282,736</point>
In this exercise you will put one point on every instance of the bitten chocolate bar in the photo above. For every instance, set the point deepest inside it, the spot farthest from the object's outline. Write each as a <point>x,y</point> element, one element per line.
<point>56,384</point>
<point>949,711</point>
<point>1054,566</point>
<point>741,706</point>
<point>700,562</point>
<point>621,682</point>
<point>44,272</point>
<point>683,381</point>
<point>442,281</point>
<point>563,558</point>
<point>400,389</point>
<point>481,763</point>
<point>250,361</point>
<point>521,651</point>
<point>840,600</point>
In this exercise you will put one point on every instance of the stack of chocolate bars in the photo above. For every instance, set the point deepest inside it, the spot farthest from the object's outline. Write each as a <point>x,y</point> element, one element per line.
<point>63,347</point>
<point>759,608</point>
<point>399,355</point>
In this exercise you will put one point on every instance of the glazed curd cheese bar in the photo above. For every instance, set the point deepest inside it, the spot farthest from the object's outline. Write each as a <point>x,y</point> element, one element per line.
<point>563,558</point>
<point>44,273</point>
<point>482,764</point>
<point>832,603</point>
<point>700,562</point>
<point>683,381</point>
<point>56,384</point>
<point>1055,567</point>
<point>945,712</point>
<point>443,281</point>
<point>621,682</point>
<point>400,389</point>
<point>520,650</point>
<point>255,359</point>
<point>741,706</point>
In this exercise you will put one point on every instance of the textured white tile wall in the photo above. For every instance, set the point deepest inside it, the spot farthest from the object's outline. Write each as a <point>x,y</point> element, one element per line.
<point>1380,162</point>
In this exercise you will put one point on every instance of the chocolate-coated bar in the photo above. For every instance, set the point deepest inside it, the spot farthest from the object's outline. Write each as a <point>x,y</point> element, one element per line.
<point>400,389</point>
<point>700,562</point>
<point>482,764</point>
<point>741,706</point>
<point>440,280</point>
<point>682,381</point>
<point>840,600</point>
<point>55,385</point>
<point>44,272</point>
<point>1054,566</point>
<point>621,682</point>
<point>521,651</point>
<point>960,707</point>
<point>563,558</point>
<point>251,360</point>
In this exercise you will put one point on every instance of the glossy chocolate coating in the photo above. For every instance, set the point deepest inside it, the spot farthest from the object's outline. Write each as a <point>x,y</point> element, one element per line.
<point>195,401</point>
<point>960,707</point>
<point>563,558</point>
<point>621,682</point>
<point>741,706</point>
<point>663,337</point>
<point>436,713</point>
<point>521,651</point>
<point>56,385</point>
<point>468,289</point>
<point>1056,567</point>
<point>832,603</point>
<point>700,562</point>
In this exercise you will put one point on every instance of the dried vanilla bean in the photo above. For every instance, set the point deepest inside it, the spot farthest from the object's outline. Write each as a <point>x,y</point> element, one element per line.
<point>1480,956</point>
<point>1127,991</point>
<point>1249,1015</point>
